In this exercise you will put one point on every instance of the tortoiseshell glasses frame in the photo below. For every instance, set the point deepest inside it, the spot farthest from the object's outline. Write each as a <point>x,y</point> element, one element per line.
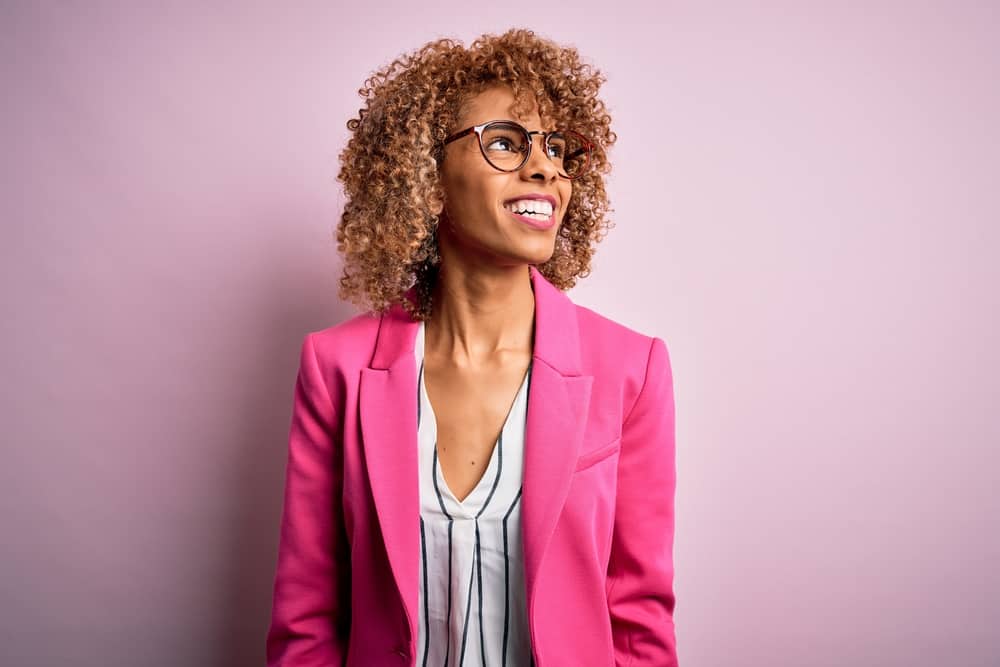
<point>585,149</point>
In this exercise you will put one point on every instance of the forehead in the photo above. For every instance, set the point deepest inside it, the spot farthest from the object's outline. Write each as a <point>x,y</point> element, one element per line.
<point>494,104</point>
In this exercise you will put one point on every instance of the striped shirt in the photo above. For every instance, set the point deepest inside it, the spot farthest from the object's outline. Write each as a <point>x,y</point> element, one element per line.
<point>472,593</point>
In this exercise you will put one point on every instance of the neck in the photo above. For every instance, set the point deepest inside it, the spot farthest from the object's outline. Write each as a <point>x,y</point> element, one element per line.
<point>479,316</point>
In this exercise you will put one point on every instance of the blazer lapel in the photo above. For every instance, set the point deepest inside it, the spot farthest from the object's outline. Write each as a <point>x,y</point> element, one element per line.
<point>387,395</point>
<point>558,404</point>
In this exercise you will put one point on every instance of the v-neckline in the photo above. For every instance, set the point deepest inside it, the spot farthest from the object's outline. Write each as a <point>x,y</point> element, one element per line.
<point>437,469</point>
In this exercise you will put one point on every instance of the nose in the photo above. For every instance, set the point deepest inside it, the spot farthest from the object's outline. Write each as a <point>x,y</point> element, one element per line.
<point>538,163</point>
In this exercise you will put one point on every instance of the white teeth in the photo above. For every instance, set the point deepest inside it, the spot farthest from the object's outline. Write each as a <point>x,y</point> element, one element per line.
<point>543,208</point>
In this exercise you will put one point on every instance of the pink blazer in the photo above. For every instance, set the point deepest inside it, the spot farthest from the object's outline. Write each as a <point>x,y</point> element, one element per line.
<point>598,496</point>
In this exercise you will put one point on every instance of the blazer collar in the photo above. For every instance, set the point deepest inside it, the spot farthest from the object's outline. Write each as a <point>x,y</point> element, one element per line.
<point>556,336</point>
<point>557,409</point>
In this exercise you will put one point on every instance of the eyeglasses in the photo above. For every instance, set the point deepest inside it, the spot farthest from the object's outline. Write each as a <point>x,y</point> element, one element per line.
<point>506,145</point>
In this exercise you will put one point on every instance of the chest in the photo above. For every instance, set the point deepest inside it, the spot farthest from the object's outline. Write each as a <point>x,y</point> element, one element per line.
<point>470,408</point>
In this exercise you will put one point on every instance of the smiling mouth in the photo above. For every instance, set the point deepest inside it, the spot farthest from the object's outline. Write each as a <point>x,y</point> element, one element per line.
<point>539,217</point>
<point>533,209</point>
<point>538,221</point>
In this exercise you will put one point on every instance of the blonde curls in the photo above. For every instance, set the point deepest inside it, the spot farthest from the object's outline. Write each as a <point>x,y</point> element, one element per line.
<point>388,231</point>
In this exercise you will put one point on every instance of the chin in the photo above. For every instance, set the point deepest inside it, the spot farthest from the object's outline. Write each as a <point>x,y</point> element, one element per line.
<point>542,257</point>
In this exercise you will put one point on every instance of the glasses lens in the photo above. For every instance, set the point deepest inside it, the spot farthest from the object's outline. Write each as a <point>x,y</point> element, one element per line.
<point>569,152</point>
<point>505,145</point>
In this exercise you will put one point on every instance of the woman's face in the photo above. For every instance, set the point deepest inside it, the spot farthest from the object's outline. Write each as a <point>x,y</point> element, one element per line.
<point>476,224</point>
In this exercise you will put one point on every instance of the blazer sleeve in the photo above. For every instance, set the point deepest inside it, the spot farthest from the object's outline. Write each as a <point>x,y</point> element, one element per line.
<point>641,566</point>
<point>310,613</point>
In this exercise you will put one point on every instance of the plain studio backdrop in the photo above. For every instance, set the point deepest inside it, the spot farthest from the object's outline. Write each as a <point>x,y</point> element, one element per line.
<point>806,207</point>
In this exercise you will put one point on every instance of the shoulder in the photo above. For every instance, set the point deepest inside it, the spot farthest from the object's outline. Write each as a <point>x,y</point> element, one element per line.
<point>604,338</point>
<point>334,355</point>
<point>352,339</point>
<point>621,358</point>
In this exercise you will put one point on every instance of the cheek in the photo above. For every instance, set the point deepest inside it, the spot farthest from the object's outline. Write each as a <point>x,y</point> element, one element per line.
<point>477,196</point>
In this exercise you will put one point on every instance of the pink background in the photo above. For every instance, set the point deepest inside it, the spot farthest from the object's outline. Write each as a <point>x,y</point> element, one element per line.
<point>807,208</point>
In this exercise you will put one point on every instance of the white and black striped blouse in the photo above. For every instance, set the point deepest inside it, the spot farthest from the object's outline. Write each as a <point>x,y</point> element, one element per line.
<point>472,602</point>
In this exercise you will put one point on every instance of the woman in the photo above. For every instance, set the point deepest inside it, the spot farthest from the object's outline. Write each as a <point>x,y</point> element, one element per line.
<point>480,472</point>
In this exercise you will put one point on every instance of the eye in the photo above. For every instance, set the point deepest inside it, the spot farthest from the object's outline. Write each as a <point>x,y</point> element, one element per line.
<point>557,146</point>
<point>504,141</point>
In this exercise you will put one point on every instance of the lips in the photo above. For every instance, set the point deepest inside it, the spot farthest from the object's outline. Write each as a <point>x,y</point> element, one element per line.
<point>536,223</point>
<point>532,222</point>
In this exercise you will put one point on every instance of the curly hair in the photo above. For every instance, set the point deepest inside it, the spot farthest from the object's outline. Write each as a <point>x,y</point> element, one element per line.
<point>388,230</point>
